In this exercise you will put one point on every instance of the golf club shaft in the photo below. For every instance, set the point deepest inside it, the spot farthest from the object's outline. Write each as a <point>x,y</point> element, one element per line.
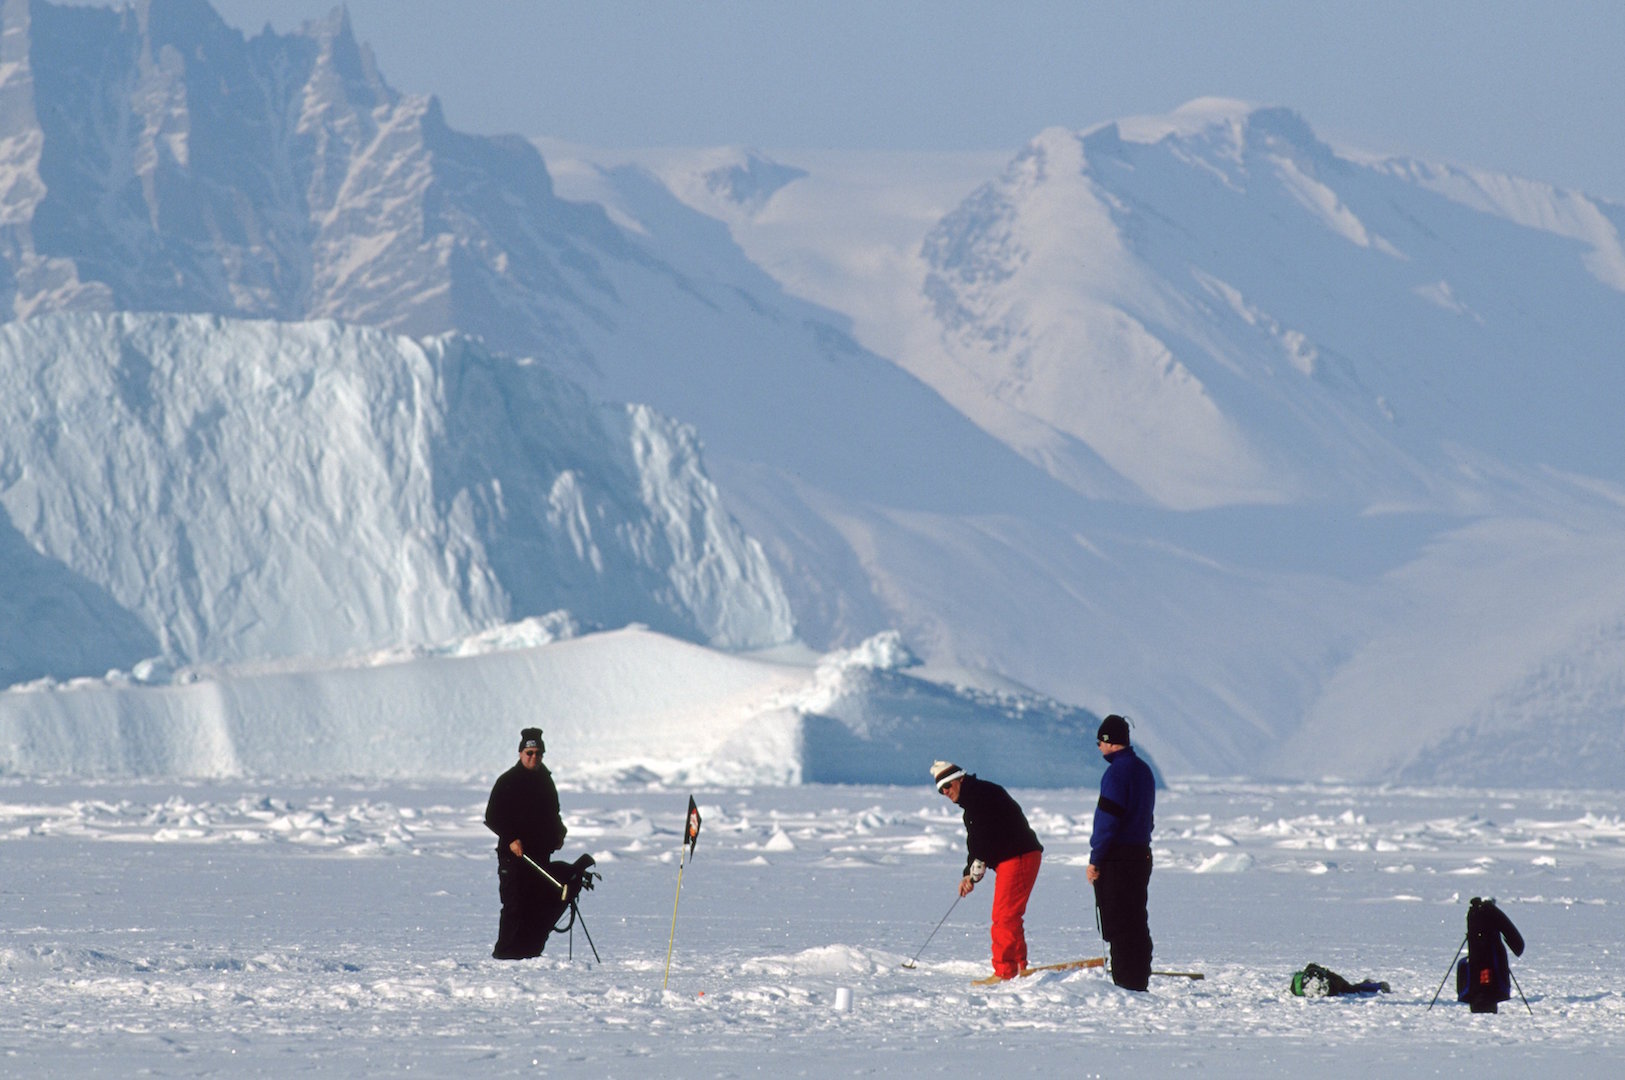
<point>934,930</point>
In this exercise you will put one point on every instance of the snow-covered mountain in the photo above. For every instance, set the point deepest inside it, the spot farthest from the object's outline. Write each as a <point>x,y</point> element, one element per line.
<point>187,169</point>
<point>1275,445</point>
<point>1224,310</point>
<point>1341,421</point>
<point>281,177</point>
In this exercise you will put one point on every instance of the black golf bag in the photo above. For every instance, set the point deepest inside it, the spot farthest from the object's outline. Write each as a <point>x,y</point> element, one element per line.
<point>535,900</point>
<point>1484,976</point>
<point>1317,981</point>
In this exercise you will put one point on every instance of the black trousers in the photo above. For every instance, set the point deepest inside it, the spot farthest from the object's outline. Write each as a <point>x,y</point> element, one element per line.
<point>530,909</point>
<point>1121,897</point>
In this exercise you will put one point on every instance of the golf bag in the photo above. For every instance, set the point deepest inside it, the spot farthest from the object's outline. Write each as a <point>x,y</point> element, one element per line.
<point>1317,981</point>
<point>1484,976</point>
<point>533,903</point>
<point>577,877</point>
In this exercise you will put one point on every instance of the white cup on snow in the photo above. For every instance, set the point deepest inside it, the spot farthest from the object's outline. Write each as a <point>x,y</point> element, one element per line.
<point>843,999</point>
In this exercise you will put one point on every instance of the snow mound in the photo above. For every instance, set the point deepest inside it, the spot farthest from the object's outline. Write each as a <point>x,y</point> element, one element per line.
<point>883,652</point>
<point>524,634</point>
<point>631,706</point>
<point>865,720</point>
<point>1224,863</point>
<point>824,960</point>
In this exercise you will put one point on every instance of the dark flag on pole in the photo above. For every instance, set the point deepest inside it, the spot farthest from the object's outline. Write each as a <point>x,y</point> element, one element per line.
<point>691,836</point>
<point>691,832</point>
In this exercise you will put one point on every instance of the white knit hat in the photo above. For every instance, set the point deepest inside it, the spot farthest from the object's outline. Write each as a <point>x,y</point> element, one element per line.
<point>944,773</point>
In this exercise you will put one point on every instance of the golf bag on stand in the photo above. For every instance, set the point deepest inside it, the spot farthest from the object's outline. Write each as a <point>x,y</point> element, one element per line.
<point>535,897</point>
<point>1484,976</point>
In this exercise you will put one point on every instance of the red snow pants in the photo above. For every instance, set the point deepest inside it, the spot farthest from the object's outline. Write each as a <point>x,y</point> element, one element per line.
<point>1013,884</point>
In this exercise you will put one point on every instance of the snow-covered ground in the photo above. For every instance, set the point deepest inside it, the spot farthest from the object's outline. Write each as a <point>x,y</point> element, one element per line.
<point>237,928</point>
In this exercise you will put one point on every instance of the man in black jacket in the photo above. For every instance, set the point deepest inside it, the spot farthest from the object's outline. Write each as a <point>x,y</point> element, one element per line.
<point>524,813</point>
<point>996,835</point>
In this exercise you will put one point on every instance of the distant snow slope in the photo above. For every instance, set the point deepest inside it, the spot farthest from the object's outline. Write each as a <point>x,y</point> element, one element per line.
<point>1499,663</point>
<point>272,489</point>
<point>628,704</point>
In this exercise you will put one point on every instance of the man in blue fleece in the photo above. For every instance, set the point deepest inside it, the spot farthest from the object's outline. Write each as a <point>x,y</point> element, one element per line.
<point>1120,854</point>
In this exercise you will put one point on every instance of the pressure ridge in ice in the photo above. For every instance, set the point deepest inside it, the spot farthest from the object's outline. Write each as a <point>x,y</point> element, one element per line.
<point>630,704</point>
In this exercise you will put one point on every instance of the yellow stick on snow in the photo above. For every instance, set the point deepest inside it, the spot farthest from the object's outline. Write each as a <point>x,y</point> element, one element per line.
<point>676,898</point>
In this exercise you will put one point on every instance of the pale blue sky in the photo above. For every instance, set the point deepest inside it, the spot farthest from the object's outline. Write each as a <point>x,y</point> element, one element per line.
<point>1531,87</point>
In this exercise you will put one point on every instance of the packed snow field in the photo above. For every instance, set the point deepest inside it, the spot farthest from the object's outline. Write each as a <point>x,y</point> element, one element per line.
<point>242,927</point>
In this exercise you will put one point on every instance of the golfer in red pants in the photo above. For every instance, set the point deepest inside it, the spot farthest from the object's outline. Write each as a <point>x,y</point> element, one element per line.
<point>996,835</point>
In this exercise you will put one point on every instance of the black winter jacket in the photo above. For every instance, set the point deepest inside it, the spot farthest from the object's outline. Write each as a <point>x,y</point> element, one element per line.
<point>524,806</point>
<point>995,827</point>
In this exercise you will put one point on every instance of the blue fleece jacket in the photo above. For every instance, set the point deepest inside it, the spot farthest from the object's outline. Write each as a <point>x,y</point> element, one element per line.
<point>1128,798</point>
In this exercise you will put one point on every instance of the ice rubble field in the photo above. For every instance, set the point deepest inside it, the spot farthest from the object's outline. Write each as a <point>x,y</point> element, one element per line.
<point>251,928</point>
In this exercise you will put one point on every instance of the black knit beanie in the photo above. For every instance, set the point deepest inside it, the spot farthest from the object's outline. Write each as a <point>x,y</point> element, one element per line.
<point>1113,729</point>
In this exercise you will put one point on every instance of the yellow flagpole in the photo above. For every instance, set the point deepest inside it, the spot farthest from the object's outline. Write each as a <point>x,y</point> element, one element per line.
<point>674,900</point>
